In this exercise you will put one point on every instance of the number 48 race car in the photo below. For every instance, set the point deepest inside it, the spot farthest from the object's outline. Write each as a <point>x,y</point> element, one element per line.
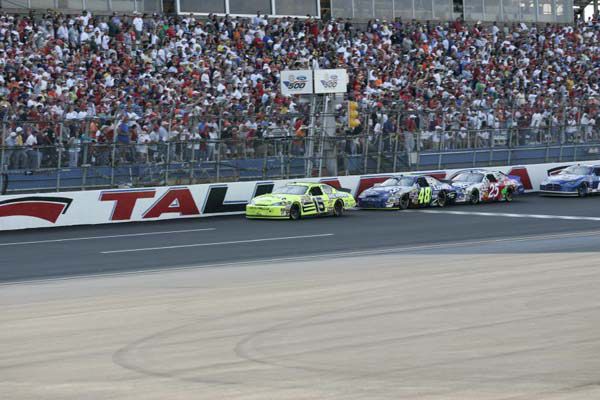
<point>296,200</point>
<point>478,185</point>
<point>403,191</point>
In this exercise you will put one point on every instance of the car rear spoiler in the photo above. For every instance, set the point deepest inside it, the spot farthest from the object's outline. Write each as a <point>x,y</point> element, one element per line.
<point>345,190</point>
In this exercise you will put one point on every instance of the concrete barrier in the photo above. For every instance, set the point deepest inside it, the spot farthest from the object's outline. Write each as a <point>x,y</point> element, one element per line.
<point>193,201</point>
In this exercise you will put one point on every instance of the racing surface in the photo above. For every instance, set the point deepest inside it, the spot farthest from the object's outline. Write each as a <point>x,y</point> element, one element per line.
<point>496,301</point>
<point>222,240</point>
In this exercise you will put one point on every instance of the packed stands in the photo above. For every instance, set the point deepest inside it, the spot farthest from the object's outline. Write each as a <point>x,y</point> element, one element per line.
<point>71,86</point>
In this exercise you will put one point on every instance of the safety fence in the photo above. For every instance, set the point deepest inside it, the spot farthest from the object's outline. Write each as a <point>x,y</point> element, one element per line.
<point>188,145</point>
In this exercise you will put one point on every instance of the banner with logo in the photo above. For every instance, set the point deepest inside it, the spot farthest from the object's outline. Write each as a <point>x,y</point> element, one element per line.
<point>296,82</point>
<point>331,81</point>
<point>193,201</point>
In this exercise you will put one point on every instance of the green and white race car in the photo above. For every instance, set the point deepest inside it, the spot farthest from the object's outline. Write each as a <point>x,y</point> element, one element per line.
<point>297,200</point>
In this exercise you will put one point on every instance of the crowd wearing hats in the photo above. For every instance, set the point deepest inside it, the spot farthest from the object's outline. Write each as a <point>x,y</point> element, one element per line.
<point>141,80</point>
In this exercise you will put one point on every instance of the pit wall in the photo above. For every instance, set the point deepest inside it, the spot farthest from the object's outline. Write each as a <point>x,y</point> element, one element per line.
<point>193,201</point>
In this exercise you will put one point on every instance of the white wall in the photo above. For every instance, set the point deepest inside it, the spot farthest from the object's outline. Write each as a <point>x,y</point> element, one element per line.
<point>160,203</point>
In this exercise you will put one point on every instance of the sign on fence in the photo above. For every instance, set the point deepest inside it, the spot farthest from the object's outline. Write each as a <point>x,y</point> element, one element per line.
<point>331,81</point>
<point>325,81</point>
<point>296,82</point>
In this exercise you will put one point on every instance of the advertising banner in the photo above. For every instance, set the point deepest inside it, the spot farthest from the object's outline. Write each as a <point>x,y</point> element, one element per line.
<point>296,82</point>
<point>331,81</point>
<point>191,201</point>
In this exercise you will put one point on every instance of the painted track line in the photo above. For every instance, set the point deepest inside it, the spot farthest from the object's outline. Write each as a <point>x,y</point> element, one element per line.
<point>107,237</point>
<point>508,215</point>
<point>217,243</point>
<point>262,261</point>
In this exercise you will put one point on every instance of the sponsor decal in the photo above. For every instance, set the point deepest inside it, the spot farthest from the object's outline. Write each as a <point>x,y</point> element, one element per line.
<point>296,82</point>
<point>176,200</point>
<point>46,208</point>
<point>330,81</point>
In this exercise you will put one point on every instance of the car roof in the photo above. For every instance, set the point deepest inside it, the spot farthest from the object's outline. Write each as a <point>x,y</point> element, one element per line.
<point>303,183</point>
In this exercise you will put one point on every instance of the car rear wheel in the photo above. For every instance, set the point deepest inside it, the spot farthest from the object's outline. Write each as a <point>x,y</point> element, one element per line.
<point>582,190</point>
<point>508,196</point>
<point>295,212</point>
<point>474,198</point>
<point>338,209</point>
<point>404,202</point>
<point>442,199</point>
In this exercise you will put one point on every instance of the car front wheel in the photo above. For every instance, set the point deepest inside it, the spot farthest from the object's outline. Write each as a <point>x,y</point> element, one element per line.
<point>295,212</point>
<point>582,190</point>
<point>338,209</point>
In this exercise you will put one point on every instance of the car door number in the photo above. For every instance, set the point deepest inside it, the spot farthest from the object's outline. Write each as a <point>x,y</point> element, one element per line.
<point>494,191</point>
<point>319,204</point>
<point>425,195</point>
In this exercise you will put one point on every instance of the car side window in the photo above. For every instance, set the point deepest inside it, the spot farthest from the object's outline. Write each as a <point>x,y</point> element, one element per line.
<point>326,189</point>
<point>316,191</point>
<point>422,182</point>
<point>597,171</point>
<point>491,178</point>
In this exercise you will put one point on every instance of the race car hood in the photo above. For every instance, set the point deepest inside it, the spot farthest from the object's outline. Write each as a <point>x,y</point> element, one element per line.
<point>563,178</point>
<point>384,191</point>
<point>267,199</point>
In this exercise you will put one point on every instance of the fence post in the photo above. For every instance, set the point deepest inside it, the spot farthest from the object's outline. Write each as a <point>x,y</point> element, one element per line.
<point>366,144</point>
<point>379,151</point>
<point>112,161</point>
<point>394,166</point>
<point>3,162</point>
<point>168,161</point>
<point>58,167</point>
<point>192,160</point>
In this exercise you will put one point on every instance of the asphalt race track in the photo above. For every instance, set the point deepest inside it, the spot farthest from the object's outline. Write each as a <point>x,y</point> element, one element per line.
<point>209,241</point>
<point>495,301</point>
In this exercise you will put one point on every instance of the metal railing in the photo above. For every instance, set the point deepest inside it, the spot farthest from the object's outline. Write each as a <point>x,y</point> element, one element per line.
<point>77,165</point>
<point>190,145</point>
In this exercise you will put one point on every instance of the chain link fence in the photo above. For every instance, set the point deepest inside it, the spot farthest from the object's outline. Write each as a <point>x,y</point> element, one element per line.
<point>192,146</point>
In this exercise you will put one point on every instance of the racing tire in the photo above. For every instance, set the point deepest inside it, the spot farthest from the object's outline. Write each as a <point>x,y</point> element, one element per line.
<point>338,209</point>
<point>508,197</point>
<point>295,214</point>
<point>404,202</point>
<point>582,190</point>
<point>442,199</point>
<point>474,198</point>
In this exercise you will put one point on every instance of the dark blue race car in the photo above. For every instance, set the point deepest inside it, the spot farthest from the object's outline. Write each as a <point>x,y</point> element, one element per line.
<point>403,191</point>
<point>576,180</point>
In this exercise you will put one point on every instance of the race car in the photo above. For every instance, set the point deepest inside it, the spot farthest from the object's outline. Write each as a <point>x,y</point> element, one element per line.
<point>301,199</point>
<point>576,180</point>
<point>403,191</point>
<point>479,185</point>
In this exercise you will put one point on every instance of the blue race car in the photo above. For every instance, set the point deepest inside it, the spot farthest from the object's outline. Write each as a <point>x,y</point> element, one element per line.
<point>576,180</point>
<point>403,191</point>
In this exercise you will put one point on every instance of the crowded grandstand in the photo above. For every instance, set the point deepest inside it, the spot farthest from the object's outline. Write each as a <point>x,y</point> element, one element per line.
<point>85,90</point>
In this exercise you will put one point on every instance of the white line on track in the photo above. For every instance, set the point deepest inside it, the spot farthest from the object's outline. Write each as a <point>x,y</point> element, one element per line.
<point>217,243</point>
<point>262,261</point>
<point>107,237</point>
<point>509,215</point>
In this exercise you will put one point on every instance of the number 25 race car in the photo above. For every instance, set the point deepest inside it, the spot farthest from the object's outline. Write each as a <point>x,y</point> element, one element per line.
<point>403,191</point>
<point>297,200</point>
<point>478,185</point>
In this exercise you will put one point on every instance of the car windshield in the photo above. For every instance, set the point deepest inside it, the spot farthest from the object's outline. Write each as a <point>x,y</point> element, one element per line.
<point>400,181</point>
<point>468,177</point>
<point>576,170</point>
<point>291,189</point>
